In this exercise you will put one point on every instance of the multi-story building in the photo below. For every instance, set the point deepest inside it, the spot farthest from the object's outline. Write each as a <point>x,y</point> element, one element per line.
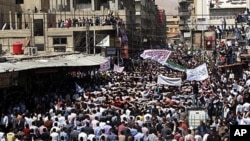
<point>226,9</point>
<point>186,19</point>
<point>149,28</point>
<point>161,28</point>
<point>73,25</point>
<point>172,28</point>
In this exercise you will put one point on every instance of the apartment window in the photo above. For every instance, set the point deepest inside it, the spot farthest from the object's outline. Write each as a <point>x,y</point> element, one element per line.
<point>59,41</point>
<point>38,27</point>
<point>19,1</point>
<point>170,23</point>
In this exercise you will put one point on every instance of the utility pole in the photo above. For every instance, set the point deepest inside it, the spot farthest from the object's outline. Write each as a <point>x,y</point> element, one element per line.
<point>87,37</point>
<point>94,34</point>
<point>203,45</point>
<point>118,46</point>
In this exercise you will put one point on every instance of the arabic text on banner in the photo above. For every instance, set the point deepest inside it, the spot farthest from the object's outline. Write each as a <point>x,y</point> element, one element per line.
<point>158,55</point>
<point>199,73</point>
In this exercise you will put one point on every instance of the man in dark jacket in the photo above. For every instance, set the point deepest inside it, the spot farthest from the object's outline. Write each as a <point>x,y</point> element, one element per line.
<point>213,136</point>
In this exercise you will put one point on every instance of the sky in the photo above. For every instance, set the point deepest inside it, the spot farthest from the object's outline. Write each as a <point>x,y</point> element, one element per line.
<point>170,6</point>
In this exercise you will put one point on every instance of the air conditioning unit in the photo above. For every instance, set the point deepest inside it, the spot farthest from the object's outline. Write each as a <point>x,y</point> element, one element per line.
<point>32,51</point>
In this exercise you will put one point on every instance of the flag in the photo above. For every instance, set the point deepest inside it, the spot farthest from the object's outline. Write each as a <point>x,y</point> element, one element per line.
<point>105,42</point>
<point>158,55</point>
<point>169,81</point>
<point>105,66</point>
<point>199,73</point>
<point>78,88</point>
<point>175,66</point>
<point>118,69</point>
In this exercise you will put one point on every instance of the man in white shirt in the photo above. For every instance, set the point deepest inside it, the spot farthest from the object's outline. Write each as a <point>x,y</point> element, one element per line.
<point>248,82</point>
<point>54,135</point>
<point>94,121</point>
<point>239,108</point>
<point>246,117</point>
<point>205,137</point>
<point>189,136</point>
<point>82,135</point>
<point>246,106</point>
<point>4,122</point>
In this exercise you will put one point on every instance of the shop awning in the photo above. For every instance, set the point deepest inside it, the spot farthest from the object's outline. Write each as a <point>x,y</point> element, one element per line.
<point>59,61</point>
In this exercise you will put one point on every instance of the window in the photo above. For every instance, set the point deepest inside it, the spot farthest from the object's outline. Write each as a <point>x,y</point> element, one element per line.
<point>38,27</point>
<point>170,23</point>
<point>19,1</point>
<point>59,40</point>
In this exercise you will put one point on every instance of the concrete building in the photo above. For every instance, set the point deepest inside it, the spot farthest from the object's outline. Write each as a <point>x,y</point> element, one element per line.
<point>172,28</point>
<point>186,20</point>
<point>150,29</point>
<point>61,25</point>
<point>226,9</point>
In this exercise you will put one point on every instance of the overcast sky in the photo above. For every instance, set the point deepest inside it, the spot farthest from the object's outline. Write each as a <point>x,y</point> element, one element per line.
<point>170,6</point>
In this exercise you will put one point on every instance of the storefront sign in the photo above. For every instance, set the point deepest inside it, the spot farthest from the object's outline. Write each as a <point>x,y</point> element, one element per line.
<point>110,51</point>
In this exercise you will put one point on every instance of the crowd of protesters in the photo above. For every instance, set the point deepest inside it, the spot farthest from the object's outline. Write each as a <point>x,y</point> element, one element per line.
<point>131,106</point>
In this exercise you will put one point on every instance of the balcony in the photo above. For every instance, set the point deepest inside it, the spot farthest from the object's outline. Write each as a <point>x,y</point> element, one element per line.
<point>183,28</point>
<point>185,1</point>
<point>182,1</point>
<point>182,22</point>
<point>183,13</point>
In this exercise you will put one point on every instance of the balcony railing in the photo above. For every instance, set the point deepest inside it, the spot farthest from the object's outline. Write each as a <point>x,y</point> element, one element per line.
<point>184,13</point>
<point>182,1</point>
<point>184,28</point>
<point>182,22</point>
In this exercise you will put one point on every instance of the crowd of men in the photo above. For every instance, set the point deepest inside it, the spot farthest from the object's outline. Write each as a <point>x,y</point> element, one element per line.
<point>102,20</point>
<point>131,106</point>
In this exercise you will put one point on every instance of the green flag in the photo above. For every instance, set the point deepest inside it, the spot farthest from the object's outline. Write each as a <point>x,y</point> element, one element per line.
<point>175,66</point>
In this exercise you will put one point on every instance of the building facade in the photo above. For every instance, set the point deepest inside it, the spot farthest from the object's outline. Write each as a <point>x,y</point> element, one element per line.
<point>185,13</point>
<point>172,28</point>
<point>75,25</point>
<point>150,24</point>
<point>229,10</point>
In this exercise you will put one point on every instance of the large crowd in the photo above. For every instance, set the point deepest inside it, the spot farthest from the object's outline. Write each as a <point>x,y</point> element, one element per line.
<point>132,106</point>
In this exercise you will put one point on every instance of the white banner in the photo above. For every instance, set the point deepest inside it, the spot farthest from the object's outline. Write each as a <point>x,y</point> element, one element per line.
<point>169,81</point>
<point>118,69</point>
<point>199,73</point>
<point>158,55</point>
<point>105,66</point>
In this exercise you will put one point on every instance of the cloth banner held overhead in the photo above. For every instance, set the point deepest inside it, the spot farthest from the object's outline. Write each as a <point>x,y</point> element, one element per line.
<point>105,66</point>
<point>158,55</point>
<point>169,81</point>
<point>78,88</point>
<point>118,68</point>
<point>199,73</point>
